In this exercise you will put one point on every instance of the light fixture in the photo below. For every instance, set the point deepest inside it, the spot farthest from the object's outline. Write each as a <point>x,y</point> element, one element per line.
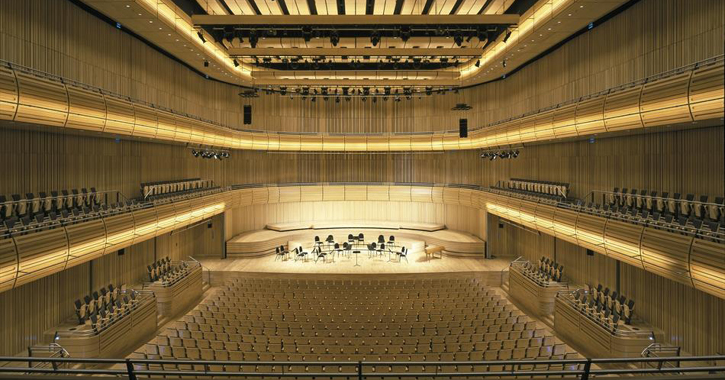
<point>375,38</point>
<point>253,38</point>
<point>334,38</point>
<point>405,33</point>
<point>236,63</point>
<point>506,36</point>
<point>478,63</point>
<point>201,36</point>
<point>458,39</point>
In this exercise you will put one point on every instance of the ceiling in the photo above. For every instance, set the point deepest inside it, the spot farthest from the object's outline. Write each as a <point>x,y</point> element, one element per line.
<point>296,43</point>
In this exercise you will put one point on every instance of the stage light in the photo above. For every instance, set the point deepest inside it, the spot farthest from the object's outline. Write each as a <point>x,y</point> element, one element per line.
<point>307,33</point>
<point>201,37</point>
<point>482,35</point>
<point>405,33</point>
<point>337,99</point>
<point>334,38</point>
<point>458,39</point>
<point>253,38</point>
<point>515,153</point>
<point>375,38</point>
<point>428,91</point>
<point>503,63</point>
<point>506,37</point>
<point>493,156</point>
<point>283,90</point>
<point>195,153</point>
<point>387,90</point>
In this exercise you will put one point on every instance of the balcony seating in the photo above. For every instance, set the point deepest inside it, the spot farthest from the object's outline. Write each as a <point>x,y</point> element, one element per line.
<point>166,273</point>
<point>438,319</point>
<point>155,190</point>
<point>42,205</point>
<point>666,204</point>
<point>606,307</point>
<point>556,189</point>
<point>102,308</point>
<point>544,271</point>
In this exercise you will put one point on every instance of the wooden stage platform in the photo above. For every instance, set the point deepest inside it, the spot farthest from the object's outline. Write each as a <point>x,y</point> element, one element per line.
<point>262,242</point>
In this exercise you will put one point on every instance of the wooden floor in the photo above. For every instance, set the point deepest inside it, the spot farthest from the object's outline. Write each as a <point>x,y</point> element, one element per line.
<point>417,263</point>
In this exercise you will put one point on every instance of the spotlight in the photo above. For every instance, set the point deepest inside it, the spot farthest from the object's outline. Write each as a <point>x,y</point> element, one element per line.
<point>493,156</point>
<point>458,39</point>
<point>283,90</point>
<point>337,99</point>
<point>387,90</point>
<point>503,63</point>
<point>428,91</point>
<point>334,38</point>
<point>515,153</point>
<point>253,38</point>
<point>405,33</point>
<point>307,33</point>
<point>482,35</point>
<point>375,38</point>
<point>236,63</point>
<point>195,153</point>
<point>506,37</point>
<point>201,36</point>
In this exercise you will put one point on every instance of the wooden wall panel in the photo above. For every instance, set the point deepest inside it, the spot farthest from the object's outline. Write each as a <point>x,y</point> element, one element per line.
<point>649,38</point>
<point>28,311</point>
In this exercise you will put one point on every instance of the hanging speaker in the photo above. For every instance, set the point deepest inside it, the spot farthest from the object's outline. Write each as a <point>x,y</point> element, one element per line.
<point>463,128</point>
<point>247,114</point>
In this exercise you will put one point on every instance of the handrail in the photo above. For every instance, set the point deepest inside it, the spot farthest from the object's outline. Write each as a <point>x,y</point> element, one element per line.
<point>581,368</point>
<point>208,272</point>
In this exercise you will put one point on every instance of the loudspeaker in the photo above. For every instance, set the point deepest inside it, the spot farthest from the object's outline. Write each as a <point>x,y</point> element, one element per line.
<point>247,114</point>
<point>463,128</point>
<point>500,225</point>
<point>209,225</point>
<point>590,252</point>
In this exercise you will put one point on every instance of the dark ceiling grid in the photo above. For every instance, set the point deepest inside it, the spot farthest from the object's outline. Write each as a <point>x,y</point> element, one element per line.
<point>313,7</point>
<point>341,7</point>
<point>456,6</point>
<point>427,6</point>
<point>283,7</point>
<point>369,7</point>
<point>226,7</point>
<point>398,6</point>
<point>255,7</point>
<point>485,6</point>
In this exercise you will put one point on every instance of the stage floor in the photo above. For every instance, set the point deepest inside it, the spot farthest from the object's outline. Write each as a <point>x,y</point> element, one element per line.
<point>417,263</point>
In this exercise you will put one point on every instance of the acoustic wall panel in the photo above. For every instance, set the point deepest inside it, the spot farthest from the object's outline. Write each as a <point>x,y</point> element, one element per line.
<point>86,241</point>
<point>590,116</point>
<point>706,96</point>
<point>87,110</point>
<point>120,116</point>
<point>41,254</point>
<point>622,242</point>
<point>707,266</point>
<point>41,101</point>
<point>665,101</point>
<point>621,109</point>
<point>667,254</point>
<point>8,263</point>
<point>8,94</point>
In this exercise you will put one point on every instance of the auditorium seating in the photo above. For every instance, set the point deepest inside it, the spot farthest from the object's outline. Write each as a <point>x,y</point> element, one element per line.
<point>441,319</point>
<point>541,187</point>
<point>155,190</point>
<point>606,307</point>
<point>544,271</point>
<point>36,208</point>
<point>105,307</point>
<point>664,203</point>
<point>166,273</point>
<point>545,191</point>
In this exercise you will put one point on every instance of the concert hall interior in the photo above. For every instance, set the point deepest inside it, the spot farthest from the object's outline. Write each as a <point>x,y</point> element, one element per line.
<point>323,189</point>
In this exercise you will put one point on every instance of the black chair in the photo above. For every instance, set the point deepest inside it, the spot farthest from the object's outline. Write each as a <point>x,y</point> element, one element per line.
<point>278,254</point>
<point>403,254</point>
<point>380,249</point>
<point>361,238</point>
<point>391,241</point>
<point>350,239</point>
<point>330,240</point>
<point>347,248</point>
<point>371,248</point>
<point>318,242</point>
<point>381,239</point>
<point>319,253</point>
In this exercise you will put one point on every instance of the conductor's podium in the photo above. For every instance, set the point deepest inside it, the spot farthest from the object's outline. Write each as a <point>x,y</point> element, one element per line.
<point>585,331</point>
<point>535,295</point>
<point>179,294</point>
<point>114,339</point>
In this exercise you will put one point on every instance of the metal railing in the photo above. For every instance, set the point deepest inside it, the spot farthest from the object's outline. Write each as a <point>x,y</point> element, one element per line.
<point>203,268</point>
<point>570,368</point>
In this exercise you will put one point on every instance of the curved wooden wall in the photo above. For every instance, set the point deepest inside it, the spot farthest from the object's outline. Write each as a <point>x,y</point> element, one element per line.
<point>682,258</point>
<point>689,96</point>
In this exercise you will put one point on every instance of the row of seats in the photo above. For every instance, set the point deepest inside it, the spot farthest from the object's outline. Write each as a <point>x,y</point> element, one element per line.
<point>525,193</point>
<point>154,190</point>
<point>166,273</point>
<point>558,189</point>
<point>608,310</point>
<point>41,221</point>
<point>667,204</point>
<point>32,205</point>
<point>397,320</point>
<point>104,307</point>
<point>544,271</point>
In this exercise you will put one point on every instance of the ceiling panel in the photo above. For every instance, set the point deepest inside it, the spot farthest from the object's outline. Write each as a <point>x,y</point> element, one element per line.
<point>240,7</point>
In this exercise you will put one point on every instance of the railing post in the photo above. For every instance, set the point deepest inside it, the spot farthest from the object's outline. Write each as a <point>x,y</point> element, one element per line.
<point>129,368</point>
<point>359,370</point>
<point>587,367</point>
